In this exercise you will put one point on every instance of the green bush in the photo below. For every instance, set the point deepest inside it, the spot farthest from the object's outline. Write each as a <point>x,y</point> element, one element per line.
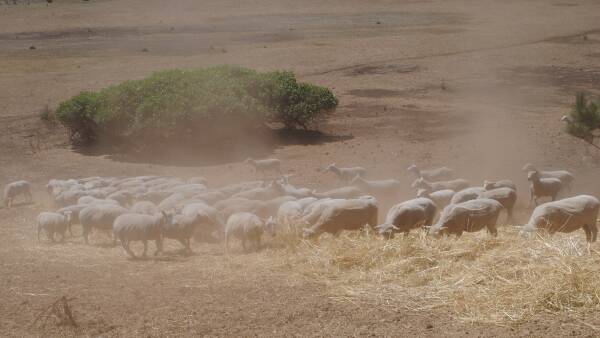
<point>204,103</point>
<point>584,118</point>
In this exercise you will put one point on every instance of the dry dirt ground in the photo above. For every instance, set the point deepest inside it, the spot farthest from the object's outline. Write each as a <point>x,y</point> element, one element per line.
<point>475,85</point>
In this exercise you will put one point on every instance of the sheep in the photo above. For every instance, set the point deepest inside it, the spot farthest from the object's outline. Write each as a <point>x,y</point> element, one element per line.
<point>291,211</point>
<point>270,207</point>
<point>287,189</point>
<point>171,202</point>
<point>542,187</point>
<point>74,211</point>
<point>438,174</point>
<point>265,166</point>
<point>567,215</point>
<point>408,215</point>
<point>346,174</point>
<point>470,216</point>
<point>345,215</point>
<point>144,207</point>
<point>53,222</point>
<point>123,197</point>
<point>68,197</point>
<point>563,175</point>
<point>207,219</point>
<point>261,193</point>
<point>441,198</point>
<point>343,192</point>
<point>197,180</point>
<point>182,228</point>
<point>86,200</point>
<point>229,202</point>
<point>387,188</point>
<point>456,185</point>
<point>466,195</point>
<point>210,197</point>
<point>246,227</point>
<point>489,185</point>
<point>100,216</point>
<point>153,196</point>
<point>232,189</point>
<point>505,196</point>
<point>15,189</point>
<point>312,213</point>
<point>130,227</point>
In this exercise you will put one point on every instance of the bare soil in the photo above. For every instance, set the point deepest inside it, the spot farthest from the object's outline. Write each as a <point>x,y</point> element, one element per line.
<point>479,86</point>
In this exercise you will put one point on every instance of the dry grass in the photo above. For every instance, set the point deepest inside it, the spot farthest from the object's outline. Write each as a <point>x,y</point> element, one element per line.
<point>476,278</point>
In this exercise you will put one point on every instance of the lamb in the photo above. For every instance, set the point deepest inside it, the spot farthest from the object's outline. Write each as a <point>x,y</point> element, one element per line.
<point>144,207</point>
<point>53,222</point>
<point>467,195</point>
<point>265,166</point>
<point>470,216</point>
<point>345,215</point>
<point>456,185</point>
<point>381,188</point>
<point>505,196</point>
<point>567,215</point>
<point>100,216</point>
<point>346,174</point>
<point>15,189</point>
<point>542,187</point>
<point>246,227</point>
<point>441,198</point>
<point>563,175</point>
<point>408,215</point>
<point>489,185</point>
<point>438,174</point>
<point>130,227</point>
<point>343,192</point>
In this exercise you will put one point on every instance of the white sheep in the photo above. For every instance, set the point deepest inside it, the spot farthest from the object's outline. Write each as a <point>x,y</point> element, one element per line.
<point>291,212</point>
<point>408,215</point>
<point>99,216</point>
<point>505,196</point>
<point>262,193</point>
<point>441,198</point>
<point>86,200</point>
<point>348,173</point>
<point>345,215</point>
<point>53,222</point>
<point>456,185</point>
<point>563,175</point>
<point>284,188</point>
<point>182,228</point>
<point>438,174</point>
<point>542,187</point>
<point>567,215</point>
<point>467,195</point>
<point>74,211</point>
<point>247,227</point>
<point>144,207</point>
<point>380,188</point>
<point>265,166</point>
<point>15,189</point>
<point>131,227</point>
<point>490,185</point>
<point>343,192</point>
<point>470,216</point>
<point>209,222</point>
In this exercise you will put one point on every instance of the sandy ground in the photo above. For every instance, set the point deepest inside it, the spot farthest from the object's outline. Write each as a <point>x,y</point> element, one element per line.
<point>476,85</point>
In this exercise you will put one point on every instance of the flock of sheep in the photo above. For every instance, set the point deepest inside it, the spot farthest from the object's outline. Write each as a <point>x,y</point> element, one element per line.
<point>154,208</point>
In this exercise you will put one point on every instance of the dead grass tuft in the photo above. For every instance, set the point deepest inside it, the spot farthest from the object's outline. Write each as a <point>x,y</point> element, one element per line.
<point>477,278</point>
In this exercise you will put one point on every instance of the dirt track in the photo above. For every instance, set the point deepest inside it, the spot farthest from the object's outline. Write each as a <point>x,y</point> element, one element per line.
<point>476,85</point>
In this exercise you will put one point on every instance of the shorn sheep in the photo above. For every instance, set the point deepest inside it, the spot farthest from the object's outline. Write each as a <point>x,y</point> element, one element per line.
<point>345,215</point>
<point>348,173</point>
<point>564,176</point>
<point>456,185</point>
<point>542,187</point>
<point>441,198</point>
<point>467,195</point>
<point>139,227</point>
<point>470,216</point>
<point>53,222</point>
<point>14,189</point>
<point>408,215</point>
<point>270,165</point>
<point>247,227</point>
<point>567,215</point>
<point>505,196</point>
<point>438,174</point>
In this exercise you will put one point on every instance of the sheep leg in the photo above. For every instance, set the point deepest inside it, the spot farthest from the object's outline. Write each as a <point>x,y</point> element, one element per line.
<point>70,228</point>
<point>85,234</point>
<point>492,230</point>
<point>257,243</point>
<point>145,248</point>
<point>244,244</point>
<point>9,202</point>
<point>158,243</point>
<point>38,232</point>
<point>51,236</point>
<point>591,232</point>
<point>62,237</point>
